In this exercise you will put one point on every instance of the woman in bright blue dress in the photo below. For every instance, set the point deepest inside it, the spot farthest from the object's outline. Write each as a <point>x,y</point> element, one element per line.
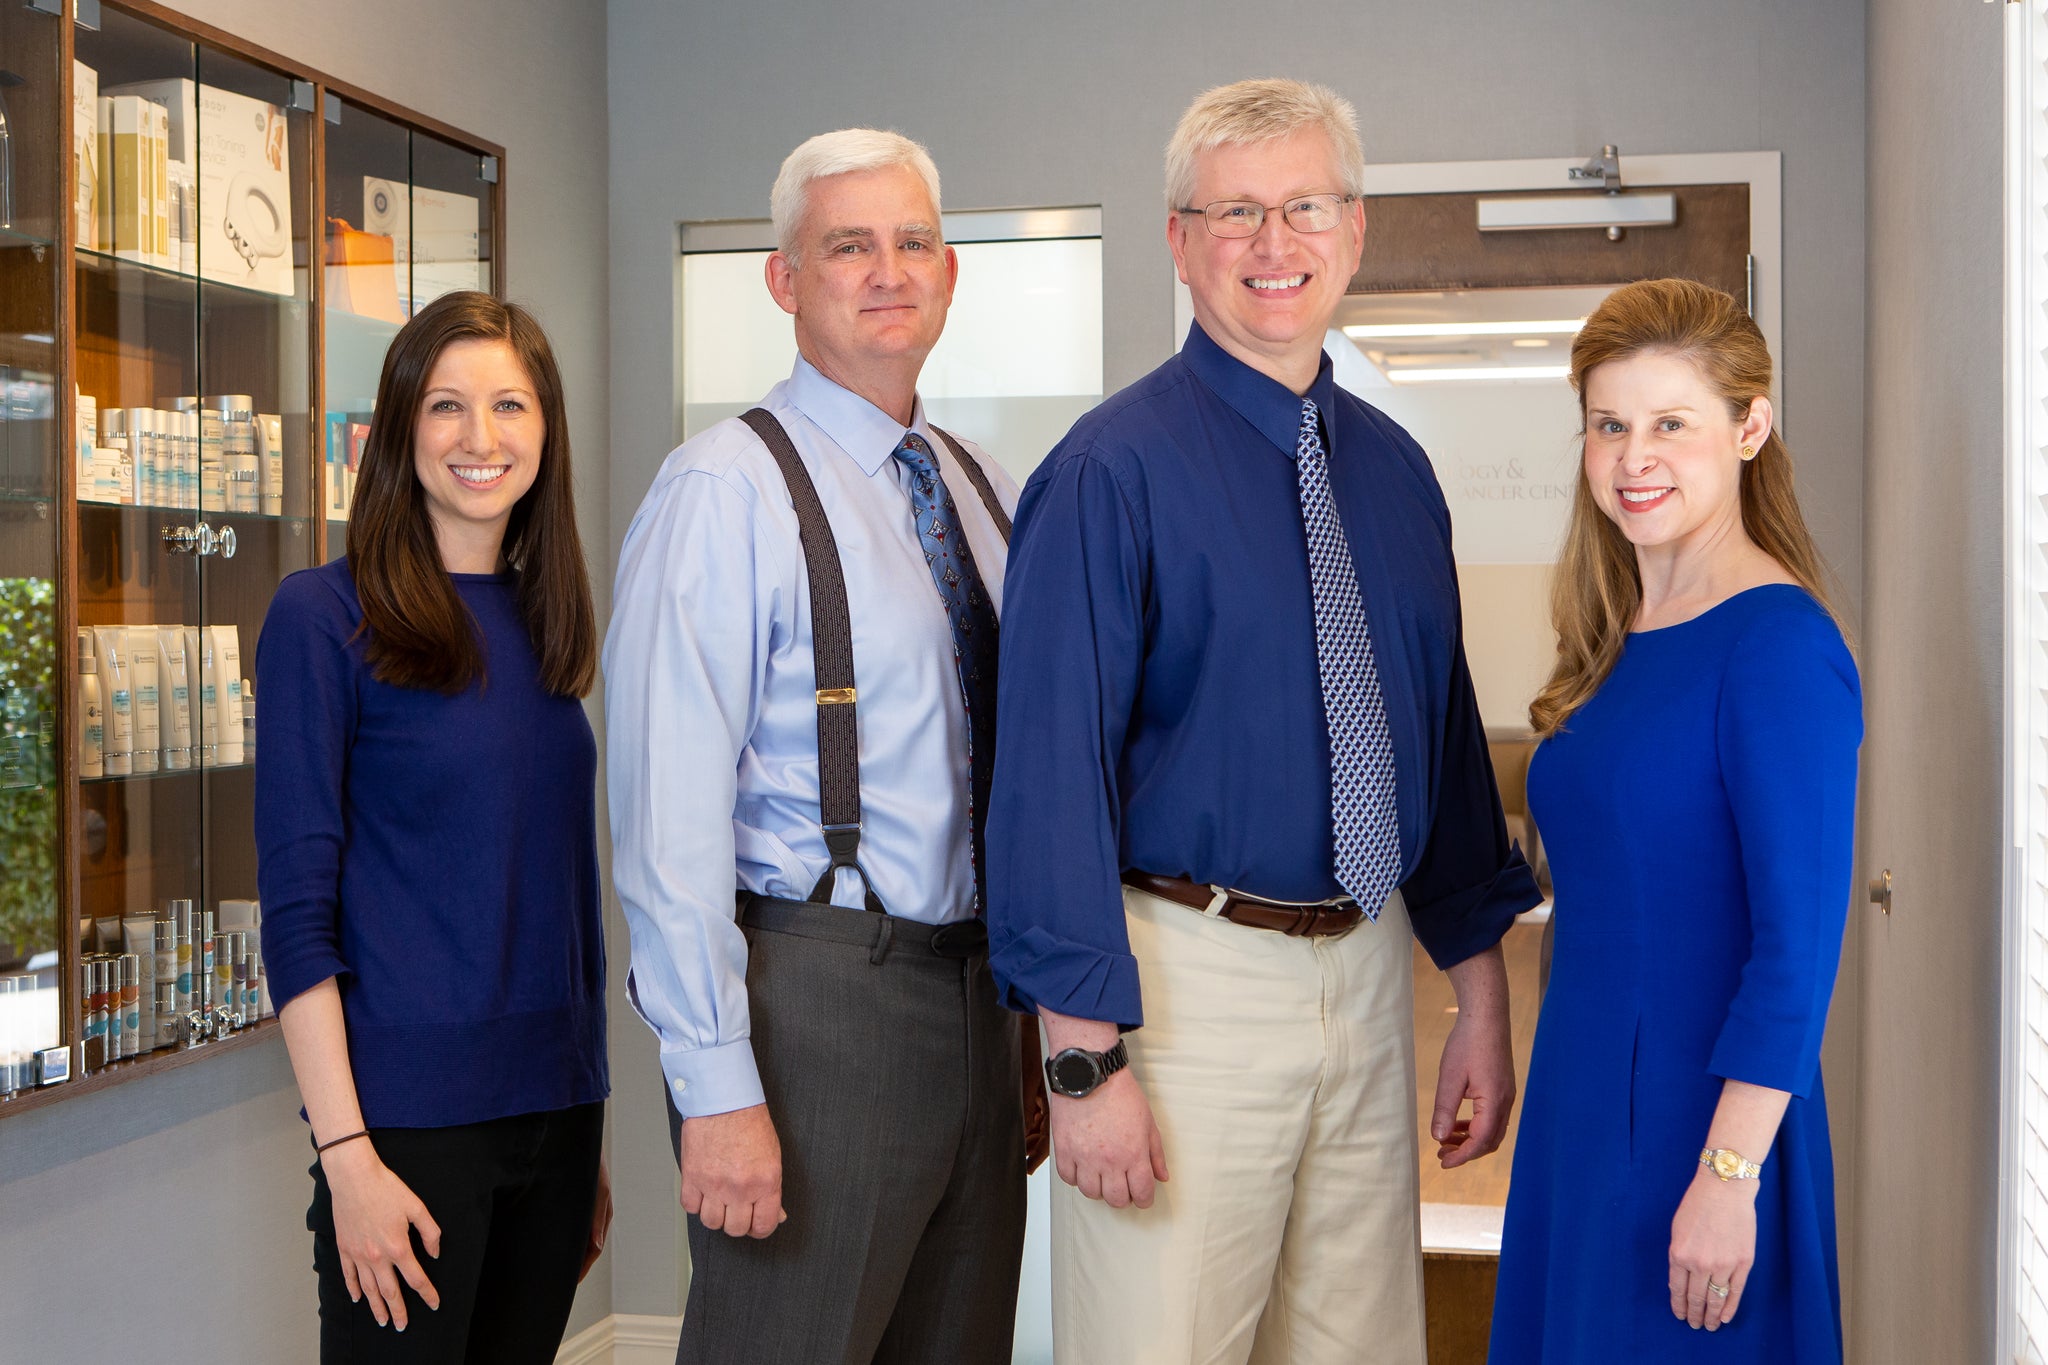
<point>1673,1189</point>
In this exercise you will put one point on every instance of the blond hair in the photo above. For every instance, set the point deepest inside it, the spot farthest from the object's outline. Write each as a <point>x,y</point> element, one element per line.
<point>1598,589</point>
<point>839,153</point>
<point>1259,111</point>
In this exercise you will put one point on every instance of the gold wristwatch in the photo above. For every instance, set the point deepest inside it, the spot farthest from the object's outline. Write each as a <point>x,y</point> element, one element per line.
<point>1730,1164</point>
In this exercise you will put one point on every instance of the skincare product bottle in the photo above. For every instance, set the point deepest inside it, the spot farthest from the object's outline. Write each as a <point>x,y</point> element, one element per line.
<point>212,470</point>
<point>198,650</point>
<point>248,721</point>
<point>164,994</point>
<point>181,942</point>
<point>270,443</point>
<point>224,674</point>
<point>175,689</point>
<point>133,1044</point>
<point>224,994</point>
<point>202,964</point>
<point>144,668</point>
<point>117,1019</point>
<point>91,724</point>
<point>235,414</point>
<point>92,1011</point>
<point>138,939</point>
<point>120,729</point>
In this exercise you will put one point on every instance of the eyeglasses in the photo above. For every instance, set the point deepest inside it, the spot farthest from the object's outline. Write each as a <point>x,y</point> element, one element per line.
<point>1243,218</point>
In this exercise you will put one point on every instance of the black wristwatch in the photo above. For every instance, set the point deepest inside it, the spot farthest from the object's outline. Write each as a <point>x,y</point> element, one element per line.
<point>1076,1072</point>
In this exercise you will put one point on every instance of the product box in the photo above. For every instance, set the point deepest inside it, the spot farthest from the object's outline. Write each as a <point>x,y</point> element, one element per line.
<point>235,172</point>
<point>85,154</point>
<point>362,272</point>
<point>160,187</point>
<point>437,244</point>
<point>127,170</point>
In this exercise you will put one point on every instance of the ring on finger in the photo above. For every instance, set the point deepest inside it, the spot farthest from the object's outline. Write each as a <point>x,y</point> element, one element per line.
<point>1718,1290</point>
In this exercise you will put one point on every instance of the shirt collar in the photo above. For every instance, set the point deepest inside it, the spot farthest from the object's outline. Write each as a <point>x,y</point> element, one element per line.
<point>868,435</point>
<point>1265,402</point>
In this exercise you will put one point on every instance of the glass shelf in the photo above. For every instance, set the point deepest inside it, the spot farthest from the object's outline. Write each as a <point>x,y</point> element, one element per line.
<point>16,237</point>
<point>207,771</point>
<point>106,262</point>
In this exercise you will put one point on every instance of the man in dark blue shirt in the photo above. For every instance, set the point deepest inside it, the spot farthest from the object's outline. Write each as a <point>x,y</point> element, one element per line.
<point>1240,755</point>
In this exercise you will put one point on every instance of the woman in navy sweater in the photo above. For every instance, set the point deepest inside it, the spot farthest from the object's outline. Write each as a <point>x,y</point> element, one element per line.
<point>426,837</point>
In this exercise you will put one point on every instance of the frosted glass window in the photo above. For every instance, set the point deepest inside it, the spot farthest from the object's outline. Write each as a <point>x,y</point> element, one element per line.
<point>1020,360</point>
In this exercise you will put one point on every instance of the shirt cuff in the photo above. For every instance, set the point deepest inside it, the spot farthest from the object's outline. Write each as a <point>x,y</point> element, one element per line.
<point>1037,969</point>
<point>287,978</point>
<point>1464,923</point>
<point>712,1080</point>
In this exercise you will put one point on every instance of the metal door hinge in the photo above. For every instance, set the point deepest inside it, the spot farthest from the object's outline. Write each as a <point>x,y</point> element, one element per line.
<point>487,169</point>
<point>302,96</point>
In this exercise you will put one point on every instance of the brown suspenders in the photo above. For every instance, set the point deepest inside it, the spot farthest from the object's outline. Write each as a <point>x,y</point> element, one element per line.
<point>832,648</point>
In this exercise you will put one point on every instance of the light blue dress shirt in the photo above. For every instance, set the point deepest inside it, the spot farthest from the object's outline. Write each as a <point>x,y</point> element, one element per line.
<point>711,718</point>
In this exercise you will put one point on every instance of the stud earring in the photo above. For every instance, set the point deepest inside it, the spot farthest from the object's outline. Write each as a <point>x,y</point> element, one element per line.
<point>1748,453</point>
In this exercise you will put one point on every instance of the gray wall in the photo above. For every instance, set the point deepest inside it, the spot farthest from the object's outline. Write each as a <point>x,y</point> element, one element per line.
<point>1066,102</point>
<point>201,1174</point>
<point>1923,1259</point>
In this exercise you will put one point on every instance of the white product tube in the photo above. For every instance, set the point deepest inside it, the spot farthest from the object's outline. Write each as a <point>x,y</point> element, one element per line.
<point>91,721</point>
<point>112,645</point>
<point>198,657</point>
<point>270,442</point>
<point>143,665</point>
<point>224,676</point>
<point>175,693</point>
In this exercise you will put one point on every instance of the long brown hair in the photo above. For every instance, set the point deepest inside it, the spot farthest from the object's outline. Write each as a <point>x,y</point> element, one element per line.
<point>420,633</point>
<point>1597,589</point>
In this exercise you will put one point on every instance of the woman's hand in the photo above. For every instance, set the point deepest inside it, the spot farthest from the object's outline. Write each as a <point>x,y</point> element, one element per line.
<point>374,1214</point>
<point>1713,1244</point>
<point>600,1219</point>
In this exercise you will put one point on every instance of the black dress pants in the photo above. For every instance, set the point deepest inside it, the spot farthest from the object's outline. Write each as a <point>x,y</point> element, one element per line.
<point>891,1076</point>
<point>513,1198</point>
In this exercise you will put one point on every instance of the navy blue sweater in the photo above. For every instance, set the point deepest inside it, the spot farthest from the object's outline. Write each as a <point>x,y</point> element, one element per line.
<point>438,855</point>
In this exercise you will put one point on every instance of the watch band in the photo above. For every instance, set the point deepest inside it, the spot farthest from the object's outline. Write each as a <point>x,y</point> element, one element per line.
<point>1729,1164</point>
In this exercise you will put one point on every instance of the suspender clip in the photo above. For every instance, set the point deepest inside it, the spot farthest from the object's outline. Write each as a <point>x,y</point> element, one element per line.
<point>835,696</point>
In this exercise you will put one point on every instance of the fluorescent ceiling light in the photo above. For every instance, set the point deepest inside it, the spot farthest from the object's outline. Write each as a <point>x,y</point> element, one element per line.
<point>1578,211</point>
<point>1390,330</point>
<point>1482,372</point>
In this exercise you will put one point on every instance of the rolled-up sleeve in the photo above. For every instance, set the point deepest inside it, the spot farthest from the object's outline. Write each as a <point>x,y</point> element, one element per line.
<point>1470,881</point>
<point>1072,657</point>
<point>306,676</point>
<point>683,661</point>
<point>1788,728</point>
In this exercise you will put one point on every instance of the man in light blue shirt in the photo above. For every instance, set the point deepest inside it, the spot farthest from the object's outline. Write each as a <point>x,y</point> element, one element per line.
<point>833,1053</point>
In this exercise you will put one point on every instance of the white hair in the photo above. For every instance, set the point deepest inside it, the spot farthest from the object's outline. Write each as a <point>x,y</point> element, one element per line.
<point>1259,111</point>
<point>838,153</point>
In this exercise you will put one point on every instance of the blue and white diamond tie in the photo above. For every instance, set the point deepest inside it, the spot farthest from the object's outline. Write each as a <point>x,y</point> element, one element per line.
<point>973,619</point>
<point>1362,812</point>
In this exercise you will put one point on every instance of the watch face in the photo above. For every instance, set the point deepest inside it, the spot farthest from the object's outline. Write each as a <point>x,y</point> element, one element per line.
<point>1073,1073</point>
<point>1727,1164</point>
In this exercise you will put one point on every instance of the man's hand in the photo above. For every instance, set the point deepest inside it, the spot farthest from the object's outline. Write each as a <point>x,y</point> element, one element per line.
<point>1037,1114</point>
<point>1107,1145</point>
<point>732,1172</point>
<point>1478,1064</point>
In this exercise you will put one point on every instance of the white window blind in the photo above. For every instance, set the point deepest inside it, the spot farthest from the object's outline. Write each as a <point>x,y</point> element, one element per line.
<point>2023,1209</point>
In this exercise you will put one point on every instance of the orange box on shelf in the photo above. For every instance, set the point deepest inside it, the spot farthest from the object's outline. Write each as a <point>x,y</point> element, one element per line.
<point>362,275</point>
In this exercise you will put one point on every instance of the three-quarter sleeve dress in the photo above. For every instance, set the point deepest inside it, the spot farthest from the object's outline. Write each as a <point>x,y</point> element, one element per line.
<point>1699,812</point>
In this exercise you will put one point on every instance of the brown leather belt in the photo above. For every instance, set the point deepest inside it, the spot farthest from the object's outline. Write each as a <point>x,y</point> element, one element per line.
<point>1296,921</point>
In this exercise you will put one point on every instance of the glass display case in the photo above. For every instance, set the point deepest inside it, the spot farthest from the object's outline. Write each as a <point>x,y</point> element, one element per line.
<point>204,253</point>
<point>409,216</point>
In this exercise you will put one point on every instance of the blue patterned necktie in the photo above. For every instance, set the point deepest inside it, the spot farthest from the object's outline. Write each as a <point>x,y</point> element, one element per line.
<point>1362,812</point>
<point>973,619</point>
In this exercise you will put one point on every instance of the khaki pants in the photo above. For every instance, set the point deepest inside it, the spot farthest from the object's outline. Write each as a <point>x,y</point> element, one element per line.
<point>1282,1074</point>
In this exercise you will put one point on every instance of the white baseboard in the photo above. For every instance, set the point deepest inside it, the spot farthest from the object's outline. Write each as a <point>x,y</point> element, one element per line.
<point>624,1339</point>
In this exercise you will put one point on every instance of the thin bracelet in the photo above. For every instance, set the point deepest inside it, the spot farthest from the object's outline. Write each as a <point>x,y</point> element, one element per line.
<point>320,1147</point>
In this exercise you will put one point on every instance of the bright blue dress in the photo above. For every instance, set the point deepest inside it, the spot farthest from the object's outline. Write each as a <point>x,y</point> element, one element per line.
<point>1699,814</point>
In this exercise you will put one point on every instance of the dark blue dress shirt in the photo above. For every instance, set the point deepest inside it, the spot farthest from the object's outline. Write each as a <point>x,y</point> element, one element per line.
<point>1160,706</point>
